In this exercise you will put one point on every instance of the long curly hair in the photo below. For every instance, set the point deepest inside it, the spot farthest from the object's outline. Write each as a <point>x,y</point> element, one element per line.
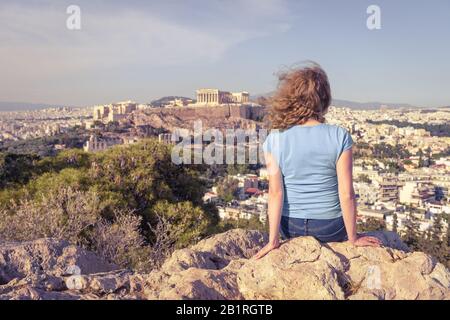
<point>303,93</point>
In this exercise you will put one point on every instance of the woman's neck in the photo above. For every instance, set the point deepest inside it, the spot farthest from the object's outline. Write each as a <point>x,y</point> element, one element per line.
<point>310,122</point>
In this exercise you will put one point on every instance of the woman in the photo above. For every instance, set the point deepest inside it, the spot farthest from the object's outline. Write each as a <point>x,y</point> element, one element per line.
<point>309,164</point>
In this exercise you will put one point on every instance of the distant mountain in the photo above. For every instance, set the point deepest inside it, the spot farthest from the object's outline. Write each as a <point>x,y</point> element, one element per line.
<point>165,100</point>
<point>370,105</point>
<point>351,104</point>
<point>21,106</point>
<point>262,95</point>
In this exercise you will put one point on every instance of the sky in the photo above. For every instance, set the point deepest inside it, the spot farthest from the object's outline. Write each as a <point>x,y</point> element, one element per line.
<point>143,50</point>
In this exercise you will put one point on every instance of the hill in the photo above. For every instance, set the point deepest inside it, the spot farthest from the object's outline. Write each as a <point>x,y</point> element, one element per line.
<point>352,104</point>
<point>165,100</point>
<point>220,117</point>
<point>370,105</point>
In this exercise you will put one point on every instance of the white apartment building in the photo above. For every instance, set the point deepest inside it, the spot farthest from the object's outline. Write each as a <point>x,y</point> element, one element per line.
<point>114,112</point>
<point>416,192</point>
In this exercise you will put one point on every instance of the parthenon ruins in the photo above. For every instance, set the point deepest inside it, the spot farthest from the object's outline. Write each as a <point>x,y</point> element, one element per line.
<point>217,97</point>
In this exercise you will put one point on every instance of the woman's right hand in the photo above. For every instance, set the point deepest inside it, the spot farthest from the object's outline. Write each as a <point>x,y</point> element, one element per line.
<point>272,245</point>
<point>366,241</point>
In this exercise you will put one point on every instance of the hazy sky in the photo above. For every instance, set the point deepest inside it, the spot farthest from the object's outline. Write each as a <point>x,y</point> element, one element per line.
<point>143,50</point>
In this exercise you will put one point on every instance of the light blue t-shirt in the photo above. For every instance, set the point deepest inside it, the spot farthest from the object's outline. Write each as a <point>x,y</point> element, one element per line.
<point>307,157</point>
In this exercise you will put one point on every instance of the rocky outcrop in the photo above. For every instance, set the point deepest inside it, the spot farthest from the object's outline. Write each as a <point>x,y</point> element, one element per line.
<point>39,269</point>
<point>221,267</point>
<point>217,117</point>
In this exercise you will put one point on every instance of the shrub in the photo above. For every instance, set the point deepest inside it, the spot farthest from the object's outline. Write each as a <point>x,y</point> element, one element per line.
<point>120,241</point>
<point>66,214</point>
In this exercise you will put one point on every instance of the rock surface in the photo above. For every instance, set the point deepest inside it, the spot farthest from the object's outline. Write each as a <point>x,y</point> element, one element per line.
<point>220,268</point>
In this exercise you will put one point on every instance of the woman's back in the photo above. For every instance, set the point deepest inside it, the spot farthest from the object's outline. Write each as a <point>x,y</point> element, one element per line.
<point>307,157</point>
<point>309,165</point>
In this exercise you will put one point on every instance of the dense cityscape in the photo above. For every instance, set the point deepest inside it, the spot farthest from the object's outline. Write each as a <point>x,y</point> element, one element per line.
<point>401,162</point>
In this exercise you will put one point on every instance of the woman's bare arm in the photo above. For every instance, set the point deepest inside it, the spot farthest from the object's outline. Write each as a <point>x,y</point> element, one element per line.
<point>344,169</point>
<point>275,205</point>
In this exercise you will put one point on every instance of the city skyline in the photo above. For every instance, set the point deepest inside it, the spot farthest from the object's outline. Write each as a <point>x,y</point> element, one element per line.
<point>145,50</point>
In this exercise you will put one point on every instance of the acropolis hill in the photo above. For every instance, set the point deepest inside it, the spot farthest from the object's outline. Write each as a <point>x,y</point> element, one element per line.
<point>216,108</point>
<point>223,116</point>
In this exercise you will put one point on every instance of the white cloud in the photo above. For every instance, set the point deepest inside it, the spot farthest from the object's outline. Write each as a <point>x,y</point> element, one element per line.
<point>36,43</point>
<point>122,46</point>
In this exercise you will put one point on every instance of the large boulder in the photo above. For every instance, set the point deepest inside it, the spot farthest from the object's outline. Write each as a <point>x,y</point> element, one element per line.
<point>221,267</point>
<point>39,269</point>
<point>50,256</point>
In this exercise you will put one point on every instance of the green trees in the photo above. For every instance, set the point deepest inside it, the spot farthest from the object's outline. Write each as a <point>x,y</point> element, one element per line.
<point>372,224</point>
<point>444,153</point>
<point>15,169</point>
<point>383,151</point>
<point>227,189</point>
<point>363,178</point>
<point>234,169</point>
<point>387,154</point>
<point>395,223</point>
<point>411,235</point>
<point>253,224</point>
<point>437,239</point>
<point>434,241</point>
<point>186,223</point>
<point>45,146</point>
<point>139,180</point>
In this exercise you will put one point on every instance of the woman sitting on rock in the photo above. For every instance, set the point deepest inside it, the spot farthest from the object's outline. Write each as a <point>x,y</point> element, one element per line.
<point>309,164</point>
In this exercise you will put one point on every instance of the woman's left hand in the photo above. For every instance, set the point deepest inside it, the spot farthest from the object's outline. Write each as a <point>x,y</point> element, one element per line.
<point>267,248</point>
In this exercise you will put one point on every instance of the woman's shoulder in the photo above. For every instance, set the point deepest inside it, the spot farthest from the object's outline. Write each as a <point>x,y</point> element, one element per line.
<point>332,126</point>
<point>270,140</point>
<point>337,129</point>
<point>272,135</point>
<point>340,135</point>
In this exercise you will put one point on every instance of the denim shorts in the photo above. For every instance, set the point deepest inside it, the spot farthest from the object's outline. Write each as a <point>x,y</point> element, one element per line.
<point>324,230</point>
